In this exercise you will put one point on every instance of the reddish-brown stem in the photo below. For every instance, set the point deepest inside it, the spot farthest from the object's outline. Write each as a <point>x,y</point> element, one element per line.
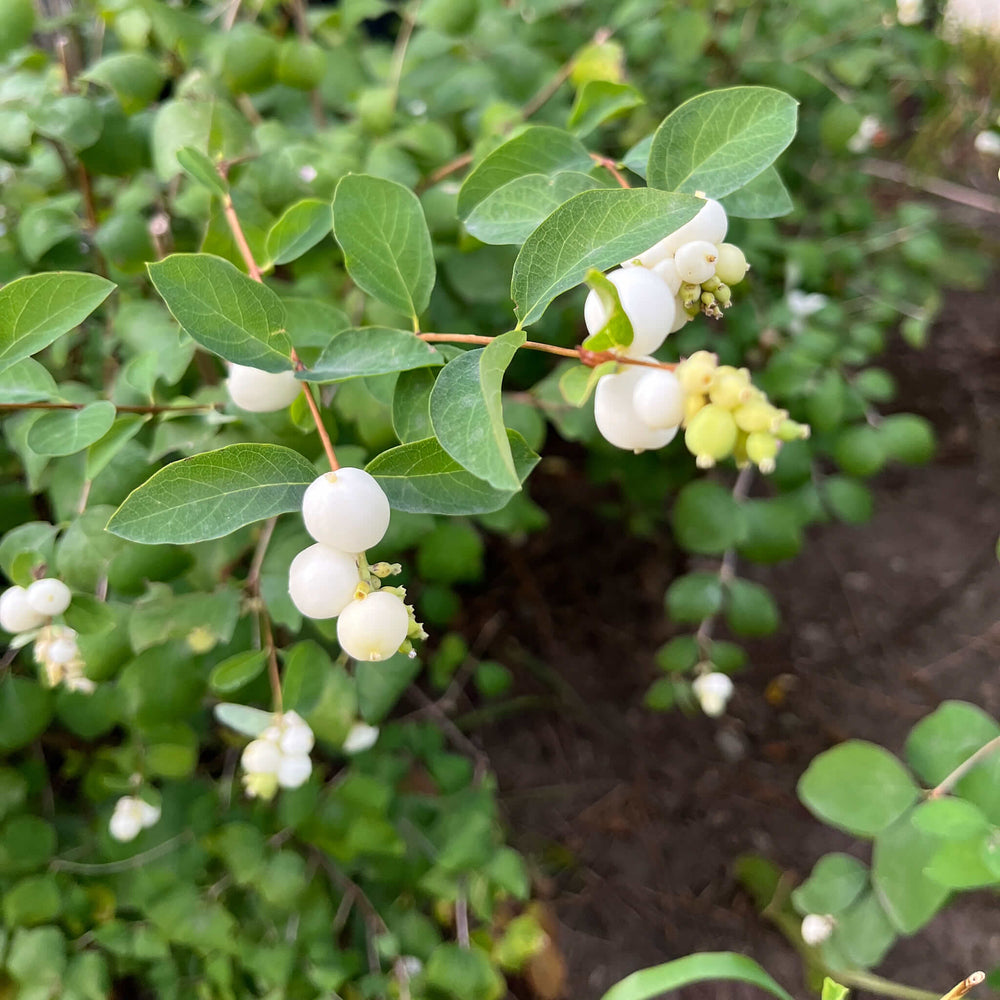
<point>449,168</point>
<point>611,167</point>
<point>590,358</point>
<point>254,271</point>
<point>273,674</point>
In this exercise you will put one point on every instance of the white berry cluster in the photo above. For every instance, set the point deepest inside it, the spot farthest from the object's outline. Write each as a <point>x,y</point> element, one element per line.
<point>258,391</point>
<point>278,757</point>
<point>347,512</point>
<point>131,816</point>
<point>28,613</point>
<point>713,691</point>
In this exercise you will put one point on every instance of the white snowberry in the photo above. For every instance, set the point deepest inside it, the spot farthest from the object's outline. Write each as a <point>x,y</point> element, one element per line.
<point>49,597</point>
<point>149,813</point>
<point>696,261</point>
<point>373,627</point>
<point>713,692</point>
<point>646,300</point>
<point>817,927</point>
<point>16,614</point>
<point>346,510</point>
<point>294,770</point>
<point>63,650</point>
<point>322,581</point>
<point>127,819</point>
<point>658,399</point>
<point>361,737</point>
<point>709,224</point>
<point>615,413</point>
<point>257,391</point>
<point>261,756</point>
<point>296,737</point>
<point>667,270</point>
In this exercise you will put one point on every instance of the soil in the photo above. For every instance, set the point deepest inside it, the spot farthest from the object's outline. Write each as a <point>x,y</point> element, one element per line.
<point>634,819</point>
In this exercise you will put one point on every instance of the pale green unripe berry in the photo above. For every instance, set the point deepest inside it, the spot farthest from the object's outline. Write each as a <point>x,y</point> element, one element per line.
<point>709,224</point>
<point>373,627</point>
<point>615,415</point>
<point>731,267</point>
<point>346,510</point>
<point>696,372</point>
<point>659,399</point>
<point>261,392</point>
<point>756,415</point>
<point>792,430</point>
<point>730,387</point>
<point>16,614</point>
<point>696,261</point>
<point>645,299</point>
<point>711,435</point>
<point>49,597</point>
<point>762,449</point>
<point>322,581</point>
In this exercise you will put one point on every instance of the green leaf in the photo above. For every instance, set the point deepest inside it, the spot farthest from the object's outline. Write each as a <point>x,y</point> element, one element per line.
<point>750,609</point>
<point>65,432</point>
<point>45,224</point>
<point>411,405</point>
<point>511,213</point>
<point>380,685</point>
<point>210,495</point>
<point>197,165</point>
<point>236,671</point>
<point>69,119</point>
<point>25,710</point>
<point>849,500</point>
<point>539,149</point>
<point>299,229</point>
<point>463,974</point>
<point>594,229</point>
<point>243,718</point>
<point>765,197</point>
<point>380,226</point>
<point>835,882</point>
<point>211,127</point>
<point>577,382</point>
<point>833,990</point>
<point>899,857</point>
<point>649,984</point>
<point>101,452</point>
<point>467,411</point>
<point>226,312</point>
<point>135,78</point>
<point>33,900</point>
<point>718,141</point>
<point>695,596</point>
<point>961,864</point>
<point>371,350</point>
<point>859,787</point>
<point>948,737</point>
<point>600,101</point>
<point>89,616</point>
<point>617,330</point>
<point>37,309</point>
<point>707,519</point>
<point>27,381</point>
<point>864,932</point>
<point>954,819</point>
<point>421,477</point>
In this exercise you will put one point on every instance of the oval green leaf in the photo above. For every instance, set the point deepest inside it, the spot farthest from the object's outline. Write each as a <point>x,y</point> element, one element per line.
<point>299,229</point>
<point>211,495</point>
<point>371,350</point>
<point>65,432</point>
<point>236,671</point>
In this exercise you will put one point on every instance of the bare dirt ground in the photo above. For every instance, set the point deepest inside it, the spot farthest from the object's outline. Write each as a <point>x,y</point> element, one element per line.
<point>635,818</point>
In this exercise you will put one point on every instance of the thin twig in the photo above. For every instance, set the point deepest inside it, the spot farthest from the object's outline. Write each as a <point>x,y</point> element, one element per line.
<point>462,919</point>
<point>126,864</point>
<point>945,786</point>
<point>203,407</point>
<point>956,992</point>
<point>612,167</point>
<point>409,17</point>
<point>932,185</point>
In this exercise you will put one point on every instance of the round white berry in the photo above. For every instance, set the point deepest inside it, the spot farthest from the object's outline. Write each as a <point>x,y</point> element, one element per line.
<point>322,581</point>
<point>346,510</point>
<point>374,627</point>
<point>667,270</point>
<point>696,261</point>
<point>261,757</point>
<point>62,650</point>
<point>296,736</point>
<point>645,299</point>
<point>126,820</point>
<point>149,813</point>
<point>816,928</point>
<point>261,392</point>
<point>713,692</point>
<point>294,770</point>
<point>49,597</point>
<point>361,737</point>
<point>681,318</point>
<point>616,417</point>
<point>709,224</point>
<point>658,399</point>
<point>16,614</point>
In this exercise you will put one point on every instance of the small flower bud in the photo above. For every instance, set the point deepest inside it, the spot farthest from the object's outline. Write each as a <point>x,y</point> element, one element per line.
<point>817,927</point>
<point>361,737</point>
<point>713,691</point>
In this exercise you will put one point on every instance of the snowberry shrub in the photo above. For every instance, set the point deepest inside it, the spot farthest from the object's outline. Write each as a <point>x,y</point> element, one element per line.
<point>255,327</point>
